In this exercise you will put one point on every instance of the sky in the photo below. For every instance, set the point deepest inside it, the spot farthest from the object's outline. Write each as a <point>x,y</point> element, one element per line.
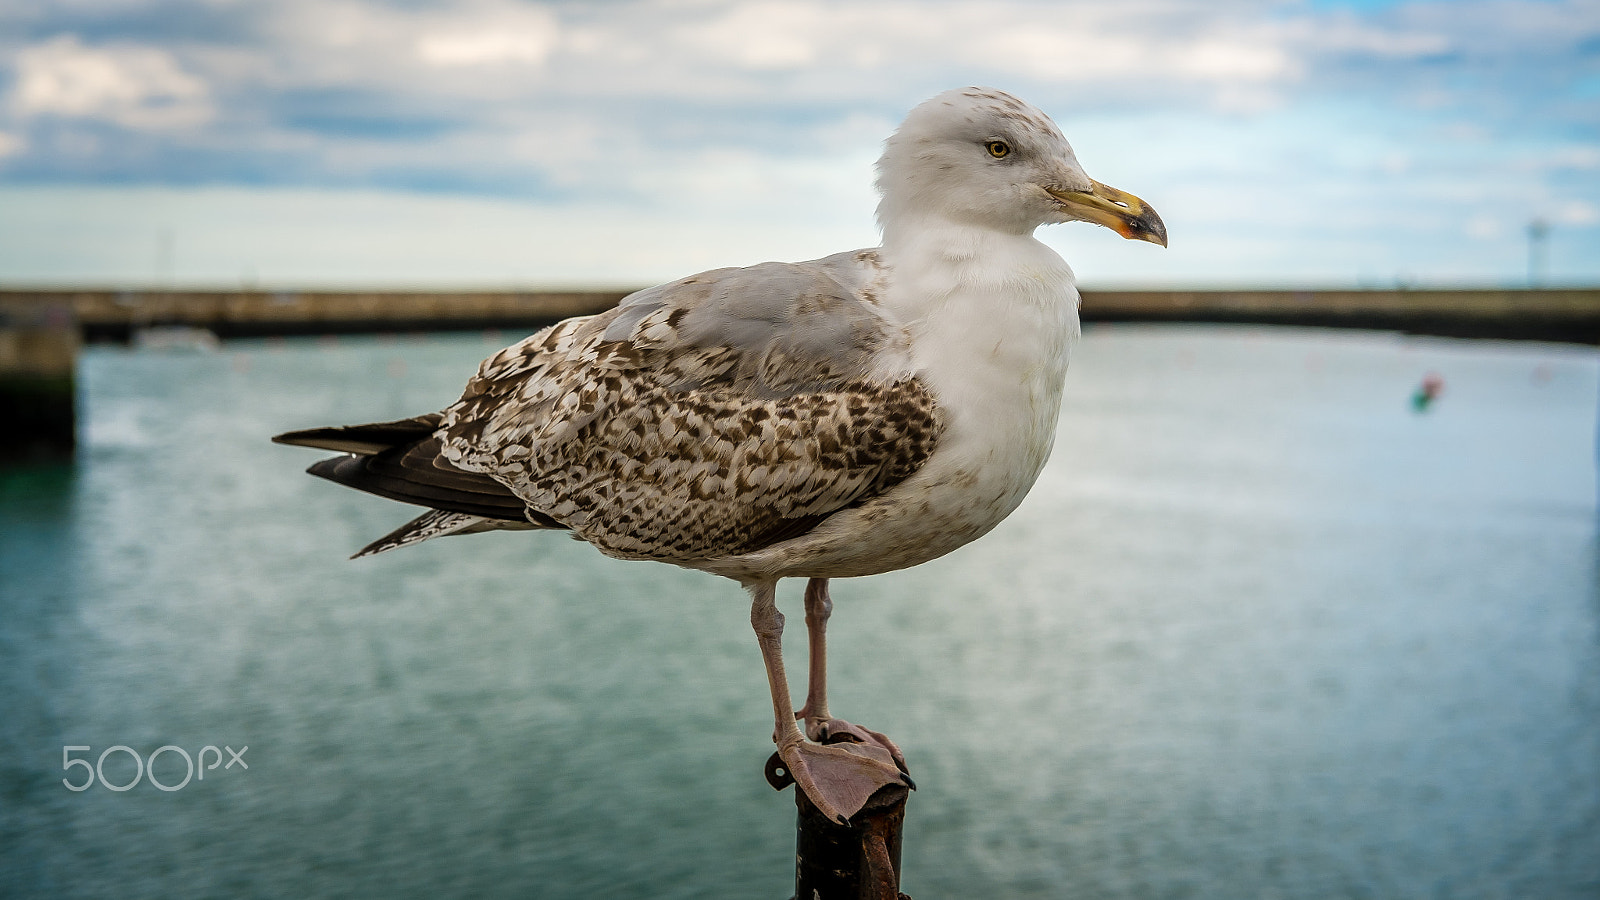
<point>618,143</point>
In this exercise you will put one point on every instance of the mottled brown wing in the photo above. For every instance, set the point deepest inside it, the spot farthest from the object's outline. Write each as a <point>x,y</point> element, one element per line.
<point>711,418</point>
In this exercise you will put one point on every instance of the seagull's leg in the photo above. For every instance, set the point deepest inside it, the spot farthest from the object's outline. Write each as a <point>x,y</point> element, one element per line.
<point>819,724</point>
<point>819,606</point>
<point>839,777</point>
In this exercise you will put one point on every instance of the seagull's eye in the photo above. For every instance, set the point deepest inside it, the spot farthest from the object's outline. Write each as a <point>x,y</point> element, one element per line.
<point>998,149</point>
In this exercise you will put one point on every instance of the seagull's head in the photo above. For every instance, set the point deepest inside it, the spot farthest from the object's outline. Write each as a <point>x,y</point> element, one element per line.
<point>983,157</point>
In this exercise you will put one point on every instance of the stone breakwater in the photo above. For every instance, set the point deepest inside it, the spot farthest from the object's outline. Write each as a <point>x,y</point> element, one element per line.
<point>38,350</point>
<point>1570,315</point>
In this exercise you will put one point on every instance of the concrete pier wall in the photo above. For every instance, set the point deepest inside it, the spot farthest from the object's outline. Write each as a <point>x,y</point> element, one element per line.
<point>115,315</point>
<point>38,352</point>
<point>1571,315</point>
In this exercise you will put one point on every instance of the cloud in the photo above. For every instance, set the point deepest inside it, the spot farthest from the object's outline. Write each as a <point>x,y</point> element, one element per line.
<point>1347,35</point>
<point>771,36</point>
<point>1484,226</point>
<point>136,87</point>
<point>487,47</point>
<point>754,106</point>
<point>1580,158</point>
<point>1577,213</point>
<point>256,71</point>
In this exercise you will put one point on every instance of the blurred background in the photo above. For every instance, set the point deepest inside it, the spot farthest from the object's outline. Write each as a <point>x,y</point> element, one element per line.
<point>1294,611</point>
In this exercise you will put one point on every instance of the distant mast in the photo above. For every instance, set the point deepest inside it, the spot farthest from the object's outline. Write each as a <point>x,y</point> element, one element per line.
<point>1538,233</point>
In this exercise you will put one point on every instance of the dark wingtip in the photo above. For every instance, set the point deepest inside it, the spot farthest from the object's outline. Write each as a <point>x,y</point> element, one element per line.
<point>366,440</point>
<point>326,439</point>
<point>327,468</point>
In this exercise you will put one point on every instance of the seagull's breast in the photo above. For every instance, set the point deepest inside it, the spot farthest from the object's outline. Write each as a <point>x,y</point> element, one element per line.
<point>991,342</point>
<point>996,363</point>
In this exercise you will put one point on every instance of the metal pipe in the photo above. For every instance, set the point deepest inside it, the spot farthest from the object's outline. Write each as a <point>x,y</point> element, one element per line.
<point>860,861</point>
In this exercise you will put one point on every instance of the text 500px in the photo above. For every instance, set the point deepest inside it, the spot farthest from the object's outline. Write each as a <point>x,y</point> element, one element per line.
<point>145,768</point>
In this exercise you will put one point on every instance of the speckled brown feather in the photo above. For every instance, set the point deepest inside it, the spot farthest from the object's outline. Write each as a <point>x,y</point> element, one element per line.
<point>689,423</point>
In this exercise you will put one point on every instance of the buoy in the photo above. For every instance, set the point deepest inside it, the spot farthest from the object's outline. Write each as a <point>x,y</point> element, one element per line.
<point>1428,391</point>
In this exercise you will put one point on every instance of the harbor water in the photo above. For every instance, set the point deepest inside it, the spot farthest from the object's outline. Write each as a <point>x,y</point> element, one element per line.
<point>1269,626</point>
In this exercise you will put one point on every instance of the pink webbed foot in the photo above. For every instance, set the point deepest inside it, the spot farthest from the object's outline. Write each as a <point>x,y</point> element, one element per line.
<point>832,731</point>
<point>840,778</point>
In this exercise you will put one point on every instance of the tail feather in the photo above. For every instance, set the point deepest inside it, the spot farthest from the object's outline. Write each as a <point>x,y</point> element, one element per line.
<point>364,440</point>
<point>403,461</point>
<point>436,523</point>
<point>359,472</point>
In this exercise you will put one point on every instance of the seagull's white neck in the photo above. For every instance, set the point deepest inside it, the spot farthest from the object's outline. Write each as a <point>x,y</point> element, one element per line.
<point>937,262</point>
<point>906,229</point>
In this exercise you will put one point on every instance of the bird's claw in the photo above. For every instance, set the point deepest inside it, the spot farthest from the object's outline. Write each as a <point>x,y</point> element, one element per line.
<point>839,778</point>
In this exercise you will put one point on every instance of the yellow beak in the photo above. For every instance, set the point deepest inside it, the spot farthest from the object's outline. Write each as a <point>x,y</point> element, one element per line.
<point>1119,211</point>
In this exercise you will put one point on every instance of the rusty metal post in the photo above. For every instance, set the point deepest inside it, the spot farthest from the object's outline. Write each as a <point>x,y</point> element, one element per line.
<point>860,861</point>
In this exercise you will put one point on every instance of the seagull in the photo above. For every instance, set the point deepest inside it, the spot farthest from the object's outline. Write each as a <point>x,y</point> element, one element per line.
<point>851,415</point>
